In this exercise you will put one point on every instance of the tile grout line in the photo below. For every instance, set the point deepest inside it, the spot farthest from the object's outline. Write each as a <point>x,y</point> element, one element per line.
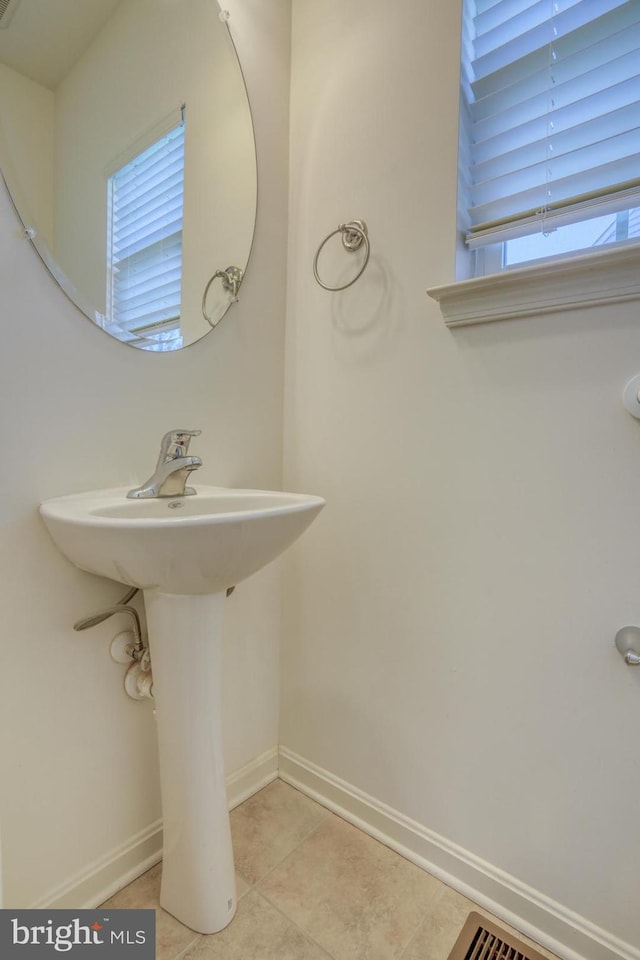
<point>293,923</point>
<point>254,888</point>
<point>436,900</point>
<point>421,921</point>
<point>326,814</point>
<point>185,950</point>
<point>265,896</point>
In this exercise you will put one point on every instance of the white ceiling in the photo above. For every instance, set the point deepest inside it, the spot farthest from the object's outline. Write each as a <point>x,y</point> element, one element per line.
<point>46,37</point>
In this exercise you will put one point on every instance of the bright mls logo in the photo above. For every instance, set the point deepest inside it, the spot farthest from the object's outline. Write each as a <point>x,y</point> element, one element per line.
<point>79,934</point>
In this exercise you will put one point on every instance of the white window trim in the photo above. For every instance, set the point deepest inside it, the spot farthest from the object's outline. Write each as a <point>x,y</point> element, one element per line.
<point>572,283</point>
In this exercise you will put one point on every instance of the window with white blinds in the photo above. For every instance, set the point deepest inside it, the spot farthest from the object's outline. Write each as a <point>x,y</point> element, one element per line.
<point>550,127</point>
<point>144,269</point>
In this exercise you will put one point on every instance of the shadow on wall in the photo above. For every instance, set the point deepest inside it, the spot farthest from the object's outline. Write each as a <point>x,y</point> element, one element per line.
<point>366,316</point>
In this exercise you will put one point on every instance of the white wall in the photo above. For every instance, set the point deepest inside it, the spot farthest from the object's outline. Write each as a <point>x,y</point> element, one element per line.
<point>78,776</point>
<point>26,146</point>
<point>451,614</point>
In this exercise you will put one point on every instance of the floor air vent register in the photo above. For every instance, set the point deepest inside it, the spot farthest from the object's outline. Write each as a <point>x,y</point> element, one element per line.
<point>480,939</point>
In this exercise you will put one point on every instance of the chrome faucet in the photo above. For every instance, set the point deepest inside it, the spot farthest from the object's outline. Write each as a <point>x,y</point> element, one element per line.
<point>172,469</point>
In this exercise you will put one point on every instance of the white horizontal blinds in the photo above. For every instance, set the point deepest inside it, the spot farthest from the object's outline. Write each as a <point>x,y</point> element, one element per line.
<point>555,113</point>
<point>145,243</point>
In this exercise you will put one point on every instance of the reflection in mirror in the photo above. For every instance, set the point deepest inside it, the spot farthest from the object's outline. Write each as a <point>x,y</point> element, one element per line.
<point>127,145</point>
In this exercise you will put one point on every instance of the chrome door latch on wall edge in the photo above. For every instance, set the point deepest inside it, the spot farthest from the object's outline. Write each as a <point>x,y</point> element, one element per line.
<point>628,645</point>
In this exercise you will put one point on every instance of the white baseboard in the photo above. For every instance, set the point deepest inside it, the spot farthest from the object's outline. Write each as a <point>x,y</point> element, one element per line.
<point>253,776</point>
<point>533,913</point>
<point>104,877</point>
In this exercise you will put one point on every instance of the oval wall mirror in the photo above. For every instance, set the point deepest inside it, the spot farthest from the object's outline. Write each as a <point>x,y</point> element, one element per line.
<point>126,143</point>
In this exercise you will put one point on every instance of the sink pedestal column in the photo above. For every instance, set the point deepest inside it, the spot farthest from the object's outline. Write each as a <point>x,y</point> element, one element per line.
<point>185,639</point>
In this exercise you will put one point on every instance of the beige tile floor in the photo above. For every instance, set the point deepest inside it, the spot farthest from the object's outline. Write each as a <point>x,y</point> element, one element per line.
<point>312,887</point>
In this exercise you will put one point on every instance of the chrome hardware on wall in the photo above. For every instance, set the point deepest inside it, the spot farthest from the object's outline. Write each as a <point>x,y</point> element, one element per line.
<point>231,280</point>
<point>631,397</point>
<point>628,645</point>
<point>354,235</point>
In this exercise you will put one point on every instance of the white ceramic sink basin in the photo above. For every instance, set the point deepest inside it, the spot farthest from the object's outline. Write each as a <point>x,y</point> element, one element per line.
<point>188,545</point>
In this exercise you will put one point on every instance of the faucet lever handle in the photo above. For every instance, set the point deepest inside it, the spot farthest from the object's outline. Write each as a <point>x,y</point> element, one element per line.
<point>175,444</point>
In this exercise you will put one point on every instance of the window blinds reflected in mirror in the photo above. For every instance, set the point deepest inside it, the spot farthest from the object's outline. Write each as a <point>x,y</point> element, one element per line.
<point>144,244</point>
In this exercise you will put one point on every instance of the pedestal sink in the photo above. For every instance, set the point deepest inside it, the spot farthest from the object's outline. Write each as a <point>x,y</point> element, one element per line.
<point>184,553</point>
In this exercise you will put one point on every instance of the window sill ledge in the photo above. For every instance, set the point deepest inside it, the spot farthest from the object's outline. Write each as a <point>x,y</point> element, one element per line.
<point>594,279</point>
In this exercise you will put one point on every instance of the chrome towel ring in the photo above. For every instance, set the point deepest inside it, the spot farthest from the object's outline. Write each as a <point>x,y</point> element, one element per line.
<point>231,279</point>
<point>354,235</point>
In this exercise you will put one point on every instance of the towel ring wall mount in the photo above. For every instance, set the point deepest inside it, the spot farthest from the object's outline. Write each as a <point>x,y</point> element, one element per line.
<point>231,278</point>
<point>354,236</point>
